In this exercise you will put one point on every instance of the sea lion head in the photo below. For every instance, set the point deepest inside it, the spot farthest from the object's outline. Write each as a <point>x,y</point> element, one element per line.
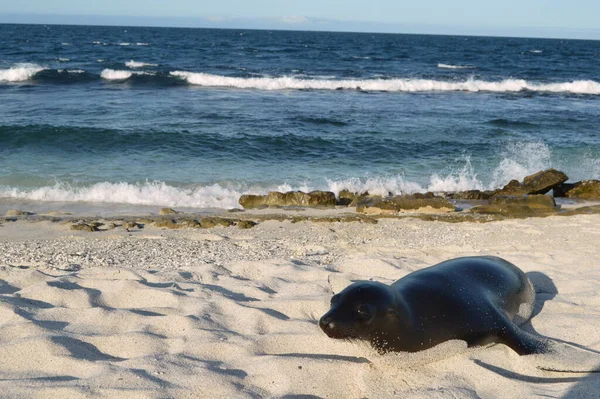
<point>361,311</point>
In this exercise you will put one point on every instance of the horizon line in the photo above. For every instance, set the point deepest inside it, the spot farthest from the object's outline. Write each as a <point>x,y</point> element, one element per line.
<point>278,25</point>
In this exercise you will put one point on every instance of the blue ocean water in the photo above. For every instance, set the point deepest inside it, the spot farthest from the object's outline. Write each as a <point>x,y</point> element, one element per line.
<point>197,117</point>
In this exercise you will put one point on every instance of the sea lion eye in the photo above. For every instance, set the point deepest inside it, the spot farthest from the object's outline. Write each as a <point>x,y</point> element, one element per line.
<point>363,312</point>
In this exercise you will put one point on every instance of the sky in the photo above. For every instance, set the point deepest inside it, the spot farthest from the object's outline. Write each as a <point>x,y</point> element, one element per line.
<point>533,18</point>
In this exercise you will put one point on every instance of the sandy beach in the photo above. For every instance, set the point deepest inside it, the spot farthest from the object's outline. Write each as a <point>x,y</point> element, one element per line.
<point>225,312</point>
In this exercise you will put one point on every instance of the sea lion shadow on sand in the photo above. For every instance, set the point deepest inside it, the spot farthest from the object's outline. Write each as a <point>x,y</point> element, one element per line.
<point>545,290</point>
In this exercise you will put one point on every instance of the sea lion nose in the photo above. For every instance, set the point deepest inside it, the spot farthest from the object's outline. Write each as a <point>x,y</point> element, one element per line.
<point>326,323</point>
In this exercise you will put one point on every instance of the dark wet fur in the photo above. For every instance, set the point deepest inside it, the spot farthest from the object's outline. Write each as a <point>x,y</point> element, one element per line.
<point>475,299</point>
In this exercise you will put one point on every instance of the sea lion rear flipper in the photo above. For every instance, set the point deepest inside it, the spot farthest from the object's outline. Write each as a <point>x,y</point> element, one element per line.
<point>520,341</point>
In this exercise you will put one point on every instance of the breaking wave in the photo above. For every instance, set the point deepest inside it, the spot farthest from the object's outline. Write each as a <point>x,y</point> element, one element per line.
<point>519,160</point>
<point>24,72</point>
<point>20,72</point>
<point>111,74</point>
<point>137,64</point>
<point>448,66</point>
<point>389,85</point>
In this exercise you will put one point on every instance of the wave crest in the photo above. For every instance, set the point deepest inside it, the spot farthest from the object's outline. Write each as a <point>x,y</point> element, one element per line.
<point>19,72</point>
<point>138,64</point>
<point>449,66</point>
<point>389,85</point>
<point>111,74</point>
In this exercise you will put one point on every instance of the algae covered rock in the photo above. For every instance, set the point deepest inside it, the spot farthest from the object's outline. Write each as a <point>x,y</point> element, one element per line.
<point>246,224</point>
<point>290,198</point>
<point>405,203</point>
<point>210,222</point>
<point>167,211</point>
<point>538,183</point>
<point>471,195</point>
<point>17,212</point>
<point>166,224</point>
<point>84,227</point>
<point>586,189</point>
<point>512,206</point>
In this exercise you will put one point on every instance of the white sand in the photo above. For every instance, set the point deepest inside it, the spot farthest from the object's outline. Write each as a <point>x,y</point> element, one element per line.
<point>228,313</point>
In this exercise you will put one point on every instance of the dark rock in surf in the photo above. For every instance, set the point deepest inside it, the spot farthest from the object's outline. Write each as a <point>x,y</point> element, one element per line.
<point>291,198</point>
<point>538,183</point>
<point>586,189</point>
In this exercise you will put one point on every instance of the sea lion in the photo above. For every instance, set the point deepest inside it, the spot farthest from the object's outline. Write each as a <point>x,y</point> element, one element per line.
<point>479,299</point>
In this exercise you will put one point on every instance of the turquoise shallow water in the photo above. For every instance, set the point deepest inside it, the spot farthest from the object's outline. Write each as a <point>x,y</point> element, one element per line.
<point>196,117</point>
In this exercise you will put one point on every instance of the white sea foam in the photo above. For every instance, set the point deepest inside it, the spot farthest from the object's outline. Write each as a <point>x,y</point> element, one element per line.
<point>519,160</point>
<point>19,72</point>
<point>142,44</point>
<point>462,180</point>
<point>389,85</point>
<point>375,185</point>
<point>449,66</point>
<point>124,44</point>
<point>111,74</point>
<point>137,64</point>
<point>151,193</point>
<point>63,59</point>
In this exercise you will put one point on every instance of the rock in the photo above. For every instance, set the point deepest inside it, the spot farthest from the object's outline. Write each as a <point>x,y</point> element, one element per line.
<point>345,197</point>
<point>291,198</point>
<point>321,198</point>
<point>544,181</point>
<point>249,201</point>
<point>246,224</point>
<point>167,211</point>
<point>518,206</point>
<point>166,223</point>
<point>405,203</point>
<point>584,210</point>
<point>84,227</point>
<point>191,224</point>
<point>470,195</point>
<point>16,212</point>
<point>210,222</point>
<point>538,183</point>
<point>56,213</point>
<point>130,225</point>
<point>586,189</point>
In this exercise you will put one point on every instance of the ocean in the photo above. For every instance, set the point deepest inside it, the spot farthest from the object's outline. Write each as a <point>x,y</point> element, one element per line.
<point>193,118</point>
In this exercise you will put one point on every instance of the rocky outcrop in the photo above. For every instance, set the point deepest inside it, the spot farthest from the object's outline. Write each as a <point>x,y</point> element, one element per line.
<point>417,203</point>
<point>291,198</point>
<point>345,197</point>
<point>246,224</point>
<point>518,206</point>
<point>470,195</point>
<point>17,212</point>
<point>166,224</point>
<point>91,227</point>
<point>210,222</point>
<point>538,183</point>
<point>586,189</point>
<point>167,211</point>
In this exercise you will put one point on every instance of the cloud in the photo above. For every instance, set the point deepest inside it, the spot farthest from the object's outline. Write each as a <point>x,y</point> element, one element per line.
<point>294,19</point>
<point>216,19</point>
